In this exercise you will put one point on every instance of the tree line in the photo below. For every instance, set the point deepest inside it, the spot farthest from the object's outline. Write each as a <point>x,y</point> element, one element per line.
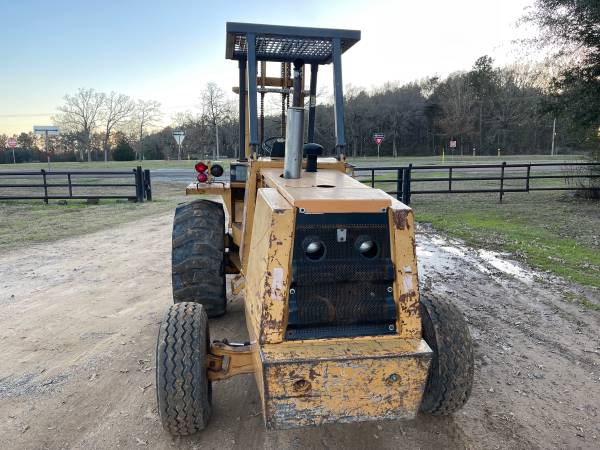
<point>517,109</point>
<point>550,107</point>
<point>483,110</point>
<point>91,123</point>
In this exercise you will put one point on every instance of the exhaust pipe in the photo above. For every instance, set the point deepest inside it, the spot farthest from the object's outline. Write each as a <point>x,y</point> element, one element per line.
<point>292,165</point>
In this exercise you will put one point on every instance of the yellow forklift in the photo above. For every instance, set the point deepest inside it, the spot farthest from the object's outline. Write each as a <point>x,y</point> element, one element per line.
<point>337,329</point>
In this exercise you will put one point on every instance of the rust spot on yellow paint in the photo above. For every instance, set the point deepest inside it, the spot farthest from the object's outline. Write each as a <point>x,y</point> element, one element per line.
<point>332,382</point>
<point>270,259</point>
<point>399,216</point>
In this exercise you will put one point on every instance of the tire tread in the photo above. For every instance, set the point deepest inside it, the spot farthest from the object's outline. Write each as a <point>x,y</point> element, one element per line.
<point>197,260</point>
<point>450,379</point>
<point>182,385</point>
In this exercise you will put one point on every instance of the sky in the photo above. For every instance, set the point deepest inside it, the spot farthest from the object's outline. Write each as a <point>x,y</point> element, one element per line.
<point>169,50</point>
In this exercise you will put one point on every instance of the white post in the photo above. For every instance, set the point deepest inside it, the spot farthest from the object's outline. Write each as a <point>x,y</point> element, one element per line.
<point>217,138</point>
<point>46,147</point>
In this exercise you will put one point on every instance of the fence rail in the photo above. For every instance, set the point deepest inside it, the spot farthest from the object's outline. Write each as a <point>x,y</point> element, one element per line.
<point>404,177</point>
<point>137,178</point>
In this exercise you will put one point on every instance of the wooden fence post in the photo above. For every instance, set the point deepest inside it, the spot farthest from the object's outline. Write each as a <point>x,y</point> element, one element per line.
<point>502,180</point>
<point>45,187</point>
<point>147,185</point>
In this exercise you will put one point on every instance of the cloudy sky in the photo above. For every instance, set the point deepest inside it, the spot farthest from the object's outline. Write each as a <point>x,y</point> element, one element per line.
<point>168,50</point>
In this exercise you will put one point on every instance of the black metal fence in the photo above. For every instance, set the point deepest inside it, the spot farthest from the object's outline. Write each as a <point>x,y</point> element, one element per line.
<point>490,178</point>
<point>134,185</point>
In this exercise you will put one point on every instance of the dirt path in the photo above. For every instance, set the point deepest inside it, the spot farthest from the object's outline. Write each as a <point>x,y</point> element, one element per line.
<point>78,323</point>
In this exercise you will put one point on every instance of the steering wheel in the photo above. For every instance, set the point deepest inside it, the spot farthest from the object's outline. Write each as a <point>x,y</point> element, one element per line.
<point>267,145</point>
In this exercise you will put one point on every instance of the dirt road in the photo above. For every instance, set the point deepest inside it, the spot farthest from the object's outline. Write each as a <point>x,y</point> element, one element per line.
<point>78,323</point>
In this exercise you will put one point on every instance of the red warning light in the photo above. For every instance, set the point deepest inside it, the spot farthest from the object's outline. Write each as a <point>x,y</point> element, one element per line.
<point>200,167</point>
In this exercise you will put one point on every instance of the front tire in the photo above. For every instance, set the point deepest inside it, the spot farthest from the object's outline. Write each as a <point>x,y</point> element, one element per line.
<point>183,391</point>
<point>198,256</point>
<point>450,378</point>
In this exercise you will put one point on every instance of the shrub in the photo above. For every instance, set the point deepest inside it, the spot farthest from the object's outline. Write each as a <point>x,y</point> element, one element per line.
<point>123,152</point>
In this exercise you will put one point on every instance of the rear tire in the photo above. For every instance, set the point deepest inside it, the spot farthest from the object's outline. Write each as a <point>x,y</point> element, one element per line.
<point>183,391</point>
<point>450,378</point>
<point>198,256</point>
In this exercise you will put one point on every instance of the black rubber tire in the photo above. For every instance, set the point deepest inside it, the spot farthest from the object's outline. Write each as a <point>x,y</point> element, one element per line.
<point>183,391</point>
<point>198,256</point>
<point>450,378</point>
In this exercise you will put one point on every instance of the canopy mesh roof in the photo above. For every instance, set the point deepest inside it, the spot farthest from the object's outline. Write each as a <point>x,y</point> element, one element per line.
<point>275,43</point>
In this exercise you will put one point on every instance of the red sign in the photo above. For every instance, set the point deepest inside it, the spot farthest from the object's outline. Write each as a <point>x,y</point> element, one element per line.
<point>452,144</point>
<point>378,137</point>
<point>11,142</point>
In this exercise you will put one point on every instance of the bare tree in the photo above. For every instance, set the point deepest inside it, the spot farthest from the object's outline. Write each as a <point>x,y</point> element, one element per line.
<point>147,113</point>
<point>117,109</point>
<point>80,114</point>
<point>456,101</point>
<point>215,108</point>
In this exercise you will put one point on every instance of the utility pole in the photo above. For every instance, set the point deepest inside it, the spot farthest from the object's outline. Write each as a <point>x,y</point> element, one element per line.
<point>553,135</point>
<point>46,148</point>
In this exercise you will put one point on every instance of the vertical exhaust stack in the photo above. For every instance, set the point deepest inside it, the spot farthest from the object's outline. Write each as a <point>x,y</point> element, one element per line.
<point>292,164</point>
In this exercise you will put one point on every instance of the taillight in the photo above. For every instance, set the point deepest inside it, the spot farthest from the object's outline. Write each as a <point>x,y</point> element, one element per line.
<point>200,167</point>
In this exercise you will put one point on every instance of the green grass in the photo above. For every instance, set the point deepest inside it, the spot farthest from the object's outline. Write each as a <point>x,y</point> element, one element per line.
<point>448,160</point>
<point>572,297</point>
<point>550,231</point>
<point>31,222</point>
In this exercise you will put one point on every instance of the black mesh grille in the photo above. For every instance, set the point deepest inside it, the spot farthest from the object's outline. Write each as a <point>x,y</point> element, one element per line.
<point>274,47</point>
<point>342,304</point>
<point>344,293</point>
<point>342,270</point>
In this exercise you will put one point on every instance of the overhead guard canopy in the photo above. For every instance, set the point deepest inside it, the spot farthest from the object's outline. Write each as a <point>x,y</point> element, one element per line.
<point>249,43</point>
<point>285,44</point>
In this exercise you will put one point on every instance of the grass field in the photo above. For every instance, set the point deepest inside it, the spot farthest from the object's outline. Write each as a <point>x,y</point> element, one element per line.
<point>551,231</point>
<point>34,222</point>
<point>370,161</point>
<point>437,160</point>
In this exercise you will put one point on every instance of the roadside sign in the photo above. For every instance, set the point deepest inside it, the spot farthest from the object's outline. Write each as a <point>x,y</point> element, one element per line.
<point>179,136</point>
<point>452,144</point>
<point>12,143</point>
<point>47,130</point>
<point>378,138</point>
